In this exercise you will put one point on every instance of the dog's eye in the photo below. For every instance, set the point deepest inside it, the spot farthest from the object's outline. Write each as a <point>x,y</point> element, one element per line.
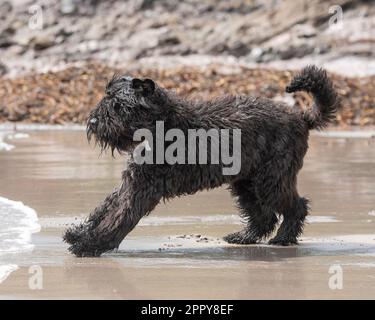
<point>117,106</point>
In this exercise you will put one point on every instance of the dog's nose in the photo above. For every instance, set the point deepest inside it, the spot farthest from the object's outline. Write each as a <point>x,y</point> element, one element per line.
<point>93,120</point>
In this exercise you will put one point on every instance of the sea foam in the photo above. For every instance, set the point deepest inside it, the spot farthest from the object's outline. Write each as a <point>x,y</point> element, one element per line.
<point>17,223</point>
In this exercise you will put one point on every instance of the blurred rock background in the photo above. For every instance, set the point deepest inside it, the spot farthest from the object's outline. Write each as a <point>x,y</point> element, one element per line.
<point>208,41</point>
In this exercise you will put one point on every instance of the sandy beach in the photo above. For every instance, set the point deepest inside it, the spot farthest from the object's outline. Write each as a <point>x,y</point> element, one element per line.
<point>177,252</point>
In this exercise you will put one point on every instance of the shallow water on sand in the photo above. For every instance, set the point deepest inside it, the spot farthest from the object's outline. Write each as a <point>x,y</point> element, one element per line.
<point>177,252</point>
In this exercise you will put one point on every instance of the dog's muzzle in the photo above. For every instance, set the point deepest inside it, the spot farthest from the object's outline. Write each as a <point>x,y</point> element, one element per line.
<point>92,124</point>
<point>93,121</point>
<point>91,127</point>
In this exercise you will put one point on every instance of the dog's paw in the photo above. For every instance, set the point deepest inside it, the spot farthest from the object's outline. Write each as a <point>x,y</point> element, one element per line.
<point>283,242</point>
<point>81,245</point>
<point>239,238</point>
<point>82,250</point>
<point>72,235</point>
<point>85,243</point>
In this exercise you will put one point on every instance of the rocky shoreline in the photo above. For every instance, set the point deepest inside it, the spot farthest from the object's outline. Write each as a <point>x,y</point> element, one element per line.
<point>119,33</point>
<point>55,74</point>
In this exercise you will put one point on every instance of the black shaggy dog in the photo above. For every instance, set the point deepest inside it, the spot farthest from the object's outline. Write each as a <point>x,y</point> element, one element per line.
<point>273,144</point>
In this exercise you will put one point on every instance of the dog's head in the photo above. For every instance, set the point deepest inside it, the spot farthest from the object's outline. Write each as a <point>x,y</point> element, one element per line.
<point>129,104</point>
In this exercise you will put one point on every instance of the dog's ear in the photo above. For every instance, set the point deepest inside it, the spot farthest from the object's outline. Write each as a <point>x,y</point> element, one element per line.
<point>149,85</point>
<point>137,84</point>
<point>145,87</point>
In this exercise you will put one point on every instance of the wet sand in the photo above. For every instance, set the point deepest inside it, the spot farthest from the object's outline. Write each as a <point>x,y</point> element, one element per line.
<point>62,178</point>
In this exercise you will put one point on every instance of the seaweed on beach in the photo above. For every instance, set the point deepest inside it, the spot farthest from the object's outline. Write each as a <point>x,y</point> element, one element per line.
<point>66,96</point>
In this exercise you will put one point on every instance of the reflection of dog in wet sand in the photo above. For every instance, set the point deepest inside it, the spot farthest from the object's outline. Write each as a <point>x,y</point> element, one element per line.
<point>273,144</point>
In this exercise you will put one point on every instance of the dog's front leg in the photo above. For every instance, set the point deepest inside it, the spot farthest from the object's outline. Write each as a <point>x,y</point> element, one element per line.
<point>80,236</point>
<point>120,212</point>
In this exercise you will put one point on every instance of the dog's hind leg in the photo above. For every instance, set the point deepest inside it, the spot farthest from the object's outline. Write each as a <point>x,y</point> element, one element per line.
<point>294,215</point>
<point>261,219</point>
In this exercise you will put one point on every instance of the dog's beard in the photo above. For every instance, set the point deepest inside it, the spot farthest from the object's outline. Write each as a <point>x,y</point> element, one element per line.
<point>112,140</point>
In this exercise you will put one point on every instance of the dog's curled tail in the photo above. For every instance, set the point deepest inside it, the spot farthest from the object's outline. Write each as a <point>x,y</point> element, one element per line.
<point>315,81</point>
